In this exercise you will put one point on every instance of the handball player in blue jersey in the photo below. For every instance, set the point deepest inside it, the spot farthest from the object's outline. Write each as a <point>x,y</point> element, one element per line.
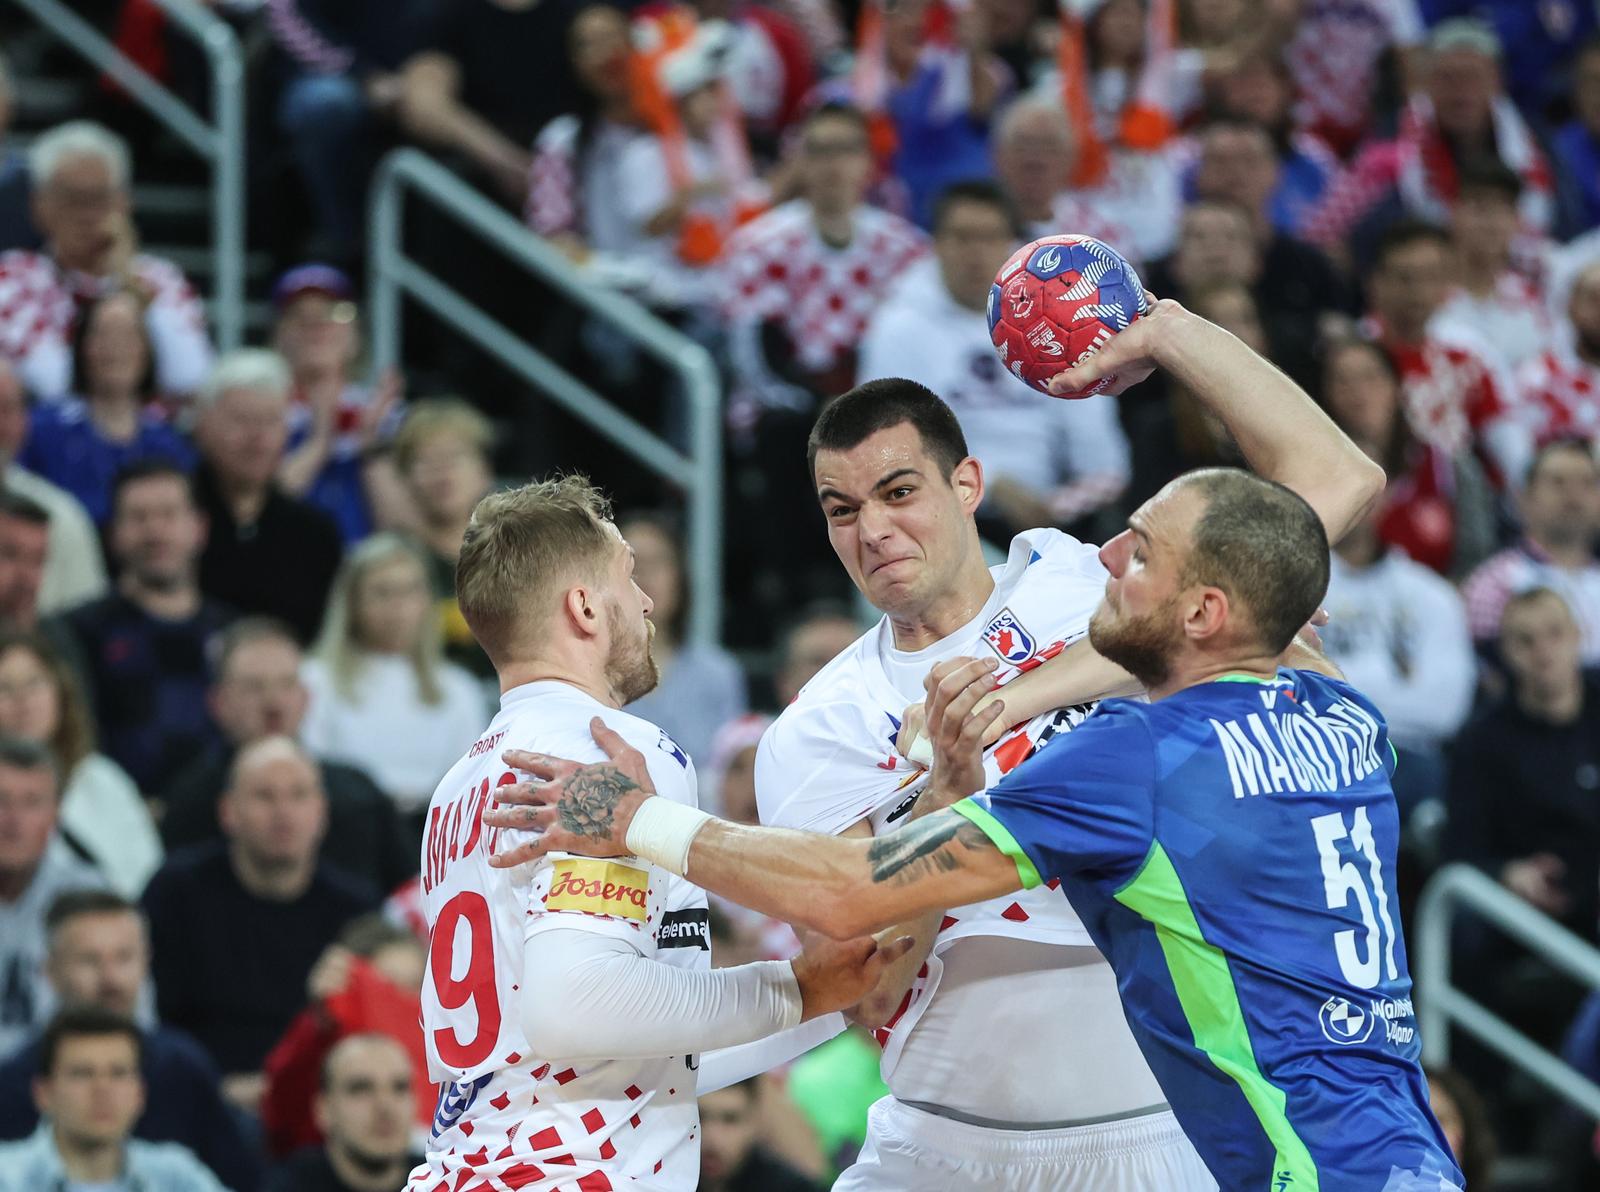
<point>1230,845</point>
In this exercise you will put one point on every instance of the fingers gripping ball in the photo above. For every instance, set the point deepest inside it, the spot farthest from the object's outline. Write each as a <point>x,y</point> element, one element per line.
<point>1056,302</point>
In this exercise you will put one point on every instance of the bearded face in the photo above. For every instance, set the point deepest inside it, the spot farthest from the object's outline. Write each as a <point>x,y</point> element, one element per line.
<point>1141,645</point>
<point>631,670</point>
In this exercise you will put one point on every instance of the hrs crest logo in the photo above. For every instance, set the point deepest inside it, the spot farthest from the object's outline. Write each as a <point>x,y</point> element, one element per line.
<point>1007,638</point>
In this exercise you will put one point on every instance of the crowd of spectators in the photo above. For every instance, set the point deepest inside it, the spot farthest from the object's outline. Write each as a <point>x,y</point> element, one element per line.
<point>231,664</point>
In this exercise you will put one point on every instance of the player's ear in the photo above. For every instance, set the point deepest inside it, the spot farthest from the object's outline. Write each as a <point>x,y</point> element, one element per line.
<point>1209,614</point>
<point>583,611</point>
<point>967,480</point>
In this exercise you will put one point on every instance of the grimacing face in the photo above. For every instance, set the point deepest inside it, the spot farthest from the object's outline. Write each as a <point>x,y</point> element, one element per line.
<point>1138,623</point>
<point>900,526</point>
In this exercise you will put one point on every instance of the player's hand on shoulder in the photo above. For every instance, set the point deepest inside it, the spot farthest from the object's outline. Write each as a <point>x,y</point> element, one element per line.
<point>836,974</point>
<point>1129,355</point>
<point>957,727</point>
<point>577,807</point>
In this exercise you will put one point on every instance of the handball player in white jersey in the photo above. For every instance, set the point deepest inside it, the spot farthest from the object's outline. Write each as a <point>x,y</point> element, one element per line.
<point>566,1001</point>
<point>966,1017</point>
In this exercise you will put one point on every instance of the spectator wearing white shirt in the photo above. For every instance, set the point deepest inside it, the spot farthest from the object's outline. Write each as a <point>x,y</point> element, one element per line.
<point>81,174</point>
<point>382,697</point>
<point>1493,304</point>
<point>1046,462</point>
<point>1398,630</point>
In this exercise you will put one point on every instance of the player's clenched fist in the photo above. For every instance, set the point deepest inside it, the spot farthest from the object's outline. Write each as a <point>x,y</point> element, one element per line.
<point>955,726</point>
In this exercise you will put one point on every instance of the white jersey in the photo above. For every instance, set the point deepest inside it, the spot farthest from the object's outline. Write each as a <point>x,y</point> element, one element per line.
<point>829,761</point>
<point>507,1118</point>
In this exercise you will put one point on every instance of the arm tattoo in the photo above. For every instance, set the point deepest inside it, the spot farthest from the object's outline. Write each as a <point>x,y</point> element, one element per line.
<point>590,800</point>
<point>919,848</point>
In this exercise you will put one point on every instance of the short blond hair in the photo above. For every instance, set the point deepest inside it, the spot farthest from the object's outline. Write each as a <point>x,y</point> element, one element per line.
<point>523,547</point>
<point>446,416</point>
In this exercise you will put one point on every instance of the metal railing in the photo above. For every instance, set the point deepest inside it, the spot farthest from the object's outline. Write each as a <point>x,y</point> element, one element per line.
<point>698,473</point>
<point>220,142</point>
<point>1440,1003</point>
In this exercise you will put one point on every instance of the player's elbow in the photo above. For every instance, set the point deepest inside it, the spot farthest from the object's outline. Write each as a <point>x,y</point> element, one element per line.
<point>1365,481</point>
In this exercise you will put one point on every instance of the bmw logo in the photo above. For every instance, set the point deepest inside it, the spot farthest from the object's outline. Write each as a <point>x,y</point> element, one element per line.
<point>1344,1022</point>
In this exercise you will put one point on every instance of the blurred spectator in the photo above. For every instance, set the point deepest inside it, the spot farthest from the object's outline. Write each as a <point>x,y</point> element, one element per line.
<point>81,175</point>
<point>1523,775</point>
<point>490,75</point>
<point>24,543</point>
<point>1335,54</point>
<point>1460,118</point>
<point>1493,302</point>
<point>99,955</point>
<point>1035,153</point>
<point>938,94</point>
<point>1539,41</point>
<point>681,181</point>
<point>1216,246</point>
<point>1465,1122</point>
<point>701,687</point>
<point>801,281</point>
<point>1073,461</point>
<point>731,1156</point>
<point>834,1086</point>
<point>1399,633</point>
<point>344,59</point>
<point>16,220</point>
<point>35,867</point>
<point>266,552</point>
<point>90,1093</point>
<point>442,452</point>
<point>1260,91</point>
<point>74,564</point>
<point>1560,508</point>
<point>770,67</point>
<point>1438,506</point>
<point>235,930</point>
<point>818,636</point>
<point>1295,285</point>
<point>1577,143</point>
<point>367,983</point>
<point>102,813</point>
<point>1200,439</point>
<point>339,429</point>
<point>145,646</point>
<point>364,1108</point>
<point>259,693</point>
<point>731,768</point>
<point>1455,397</point>
<point>82,442</point>
<point>382,698</point>
<point>575,185</point>
<point>1560,390</point>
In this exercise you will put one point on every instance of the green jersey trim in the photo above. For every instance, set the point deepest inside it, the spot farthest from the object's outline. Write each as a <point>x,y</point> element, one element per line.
<point>1210,1002</point>
<point>1002,840</point>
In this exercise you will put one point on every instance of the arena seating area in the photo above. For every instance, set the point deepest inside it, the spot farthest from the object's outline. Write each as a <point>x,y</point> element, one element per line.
<point>1395,201</point>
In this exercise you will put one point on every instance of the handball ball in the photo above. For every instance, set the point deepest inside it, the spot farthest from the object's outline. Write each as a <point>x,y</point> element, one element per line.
<point>1056,302</point>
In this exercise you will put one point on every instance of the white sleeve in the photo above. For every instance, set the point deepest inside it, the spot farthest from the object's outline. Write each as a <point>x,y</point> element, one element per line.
<point>1406,27</point>
<point>892,347</point>
<point>590,997</point>
<point>182,348</point>
<point>813,772</point>
<point>1436,699</point>
<point>730,1065</point>
<point>644,186</point>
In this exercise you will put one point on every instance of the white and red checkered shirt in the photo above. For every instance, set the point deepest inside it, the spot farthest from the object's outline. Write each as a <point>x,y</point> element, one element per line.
<point>39,307</point>
<point>1560,394</point>
<point>777,268</point>
<point>1512,319</point>
<point>1525,566</point>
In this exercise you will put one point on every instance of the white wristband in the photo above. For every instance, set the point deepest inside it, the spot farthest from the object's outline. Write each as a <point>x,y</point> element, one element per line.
<point>661,832</point>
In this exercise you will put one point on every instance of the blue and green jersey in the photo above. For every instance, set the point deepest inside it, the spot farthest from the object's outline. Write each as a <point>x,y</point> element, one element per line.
<point>1231,849</point>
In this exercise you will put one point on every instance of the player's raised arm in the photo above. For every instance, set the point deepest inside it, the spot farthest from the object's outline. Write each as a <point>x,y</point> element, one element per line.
<point>1282,433</point>
<point>843,887</point>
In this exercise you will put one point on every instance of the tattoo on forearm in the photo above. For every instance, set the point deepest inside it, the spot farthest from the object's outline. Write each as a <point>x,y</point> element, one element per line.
<point>590,800</point>
<point>920,848</point>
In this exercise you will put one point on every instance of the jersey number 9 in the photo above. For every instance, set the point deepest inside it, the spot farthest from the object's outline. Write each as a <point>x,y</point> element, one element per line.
<point>476,985</point>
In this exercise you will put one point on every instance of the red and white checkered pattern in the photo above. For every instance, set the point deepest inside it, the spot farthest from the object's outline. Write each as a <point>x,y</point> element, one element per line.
<point>1561,395</point>
<point>1451,396</point>
<point>39,306</point>
<point>777,267</point>
<point>508,1119</point>
<point>1524,566</point>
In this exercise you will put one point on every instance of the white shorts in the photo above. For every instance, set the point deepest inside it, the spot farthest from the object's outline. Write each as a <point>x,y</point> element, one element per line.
<point>909,1150</point>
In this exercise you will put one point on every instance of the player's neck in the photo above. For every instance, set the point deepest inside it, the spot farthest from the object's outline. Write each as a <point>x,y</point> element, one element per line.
<point>964,601</point>
<point>554,670</point>
<point>1209,670</point>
